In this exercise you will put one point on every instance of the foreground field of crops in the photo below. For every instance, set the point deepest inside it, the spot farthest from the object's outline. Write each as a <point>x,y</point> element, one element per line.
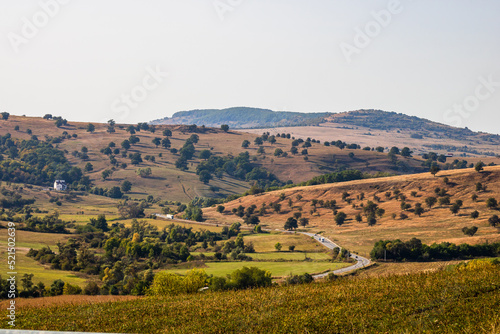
<point>461,300</point>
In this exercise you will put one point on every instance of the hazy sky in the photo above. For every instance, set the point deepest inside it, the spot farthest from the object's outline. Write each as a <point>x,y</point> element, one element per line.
<point>139,60</point>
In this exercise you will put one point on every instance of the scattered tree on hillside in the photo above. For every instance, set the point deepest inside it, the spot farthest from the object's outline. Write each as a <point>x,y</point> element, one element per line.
<point>470,231</point>
<point>474,214</point>
<point>290,224</point>
<point>111,126</point>
<point>406,152</point>
<point>131,129</point>
<point>106,174</point>
<point>125,144</point>
<point>491,203</point>
<point>165,143</point>
<point>88,167</point>
<point>419,210</point>
<point>134,140</point>
<point>494,220</point>
<point>278,246</point>
<point>126,186</point>
<point>205,154</point>
<point>167,133</point>
<point>245,144</point>
<point>303,221</point>
<point>340,218</point>
<point>434,169</point>
<point>205,176</point>
<point>144,172</point>
<point>224,127</point>
<point>156,141</point>
<point>90,128</point>
<point>479,166</point>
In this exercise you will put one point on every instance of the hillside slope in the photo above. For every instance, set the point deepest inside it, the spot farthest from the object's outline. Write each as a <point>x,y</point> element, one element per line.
<point>436,224</point>
<point>171,183</point>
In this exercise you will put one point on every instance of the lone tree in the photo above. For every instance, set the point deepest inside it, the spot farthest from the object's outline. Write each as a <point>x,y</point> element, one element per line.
<point>167,133</point>
<point>419,209</point>
<point>434,169</point>
<point>494,220</point>
<point>220,209</point>
<point>245,144</point>
<point>224,127</point>
<point>144,172</point>
<point>106,174</point>
<point>474,214</point>
<point>430,201</point>
<point>491,203</point>
<point>278,246</point>
<point>340,218</point>
<point>156,141</point>
<point>479,166</point>
<point>165,142</point>
<point>90,128</point>
<point>455,208</point>
<point>291,223</point>
<point>5,115</point>
<point>470,231</point>
<point>126,186</point>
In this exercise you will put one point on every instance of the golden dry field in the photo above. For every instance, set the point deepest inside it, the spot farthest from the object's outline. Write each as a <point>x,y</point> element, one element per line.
<point>436,224</point>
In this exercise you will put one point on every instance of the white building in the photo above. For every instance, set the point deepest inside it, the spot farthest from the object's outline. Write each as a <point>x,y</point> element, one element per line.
<point>60,185</point>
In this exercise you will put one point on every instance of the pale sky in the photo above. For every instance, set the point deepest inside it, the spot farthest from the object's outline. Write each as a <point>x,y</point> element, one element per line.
<point>90,60</point>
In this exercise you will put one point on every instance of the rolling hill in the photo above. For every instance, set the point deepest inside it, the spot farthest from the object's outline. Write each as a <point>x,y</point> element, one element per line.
<point>436,224</point>
<point>242,117</point>
<point>365,127</point>
<point>104,152</point>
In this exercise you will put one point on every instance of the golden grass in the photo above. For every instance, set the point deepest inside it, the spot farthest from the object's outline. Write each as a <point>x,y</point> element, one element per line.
<point>435,225</point>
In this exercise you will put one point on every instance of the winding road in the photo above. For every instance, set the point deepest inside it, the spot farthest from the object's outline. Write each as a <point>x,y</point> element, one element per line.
<point>361,262</point>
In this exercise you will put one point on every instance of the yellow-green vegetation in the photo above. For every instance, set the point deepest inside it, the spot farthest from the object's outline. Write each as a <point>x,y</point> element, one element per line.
<point>26,265</point>
<point>277,268</point>
<point>266,242</point>
<point>289,256</point>
<point>462,300</point>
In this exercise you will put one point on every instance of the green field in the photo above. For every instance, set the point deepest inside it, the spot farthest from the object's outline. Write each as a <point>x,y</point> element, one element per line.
<point>452,301</point>
<point>26,265</point>
<point>277,269</point>
<point>289,256</point>
<point>265,242</point>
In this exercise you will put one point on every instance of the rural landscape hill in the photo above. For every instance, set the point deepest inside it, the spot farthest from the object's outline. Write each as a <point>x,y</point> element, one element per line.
<point>243,117</point>
<point>205,207</point>
<point>398,197</point>
<point>365,127</point>
<point>104,152</point>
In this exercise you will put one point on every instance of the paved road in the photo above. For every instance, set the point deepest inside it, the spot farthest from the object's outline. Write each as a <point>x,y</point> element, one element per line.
<point>361,261</point>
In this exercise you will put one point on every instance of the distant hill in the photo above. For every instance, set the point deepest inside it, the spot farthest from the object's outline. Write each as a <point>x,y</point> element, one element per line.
<point>251,118</point>
<point>243,117</point>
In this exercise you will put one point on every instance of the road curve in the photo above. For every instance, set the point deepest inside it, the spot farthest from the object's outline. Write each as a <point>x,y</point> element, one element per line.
<point>361,262</point>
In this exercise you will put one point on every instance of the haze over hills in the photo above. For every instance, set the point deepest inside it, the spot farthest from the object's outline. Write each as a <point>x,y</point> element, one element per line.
<point>365,127</point>
<point>243,117</point>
